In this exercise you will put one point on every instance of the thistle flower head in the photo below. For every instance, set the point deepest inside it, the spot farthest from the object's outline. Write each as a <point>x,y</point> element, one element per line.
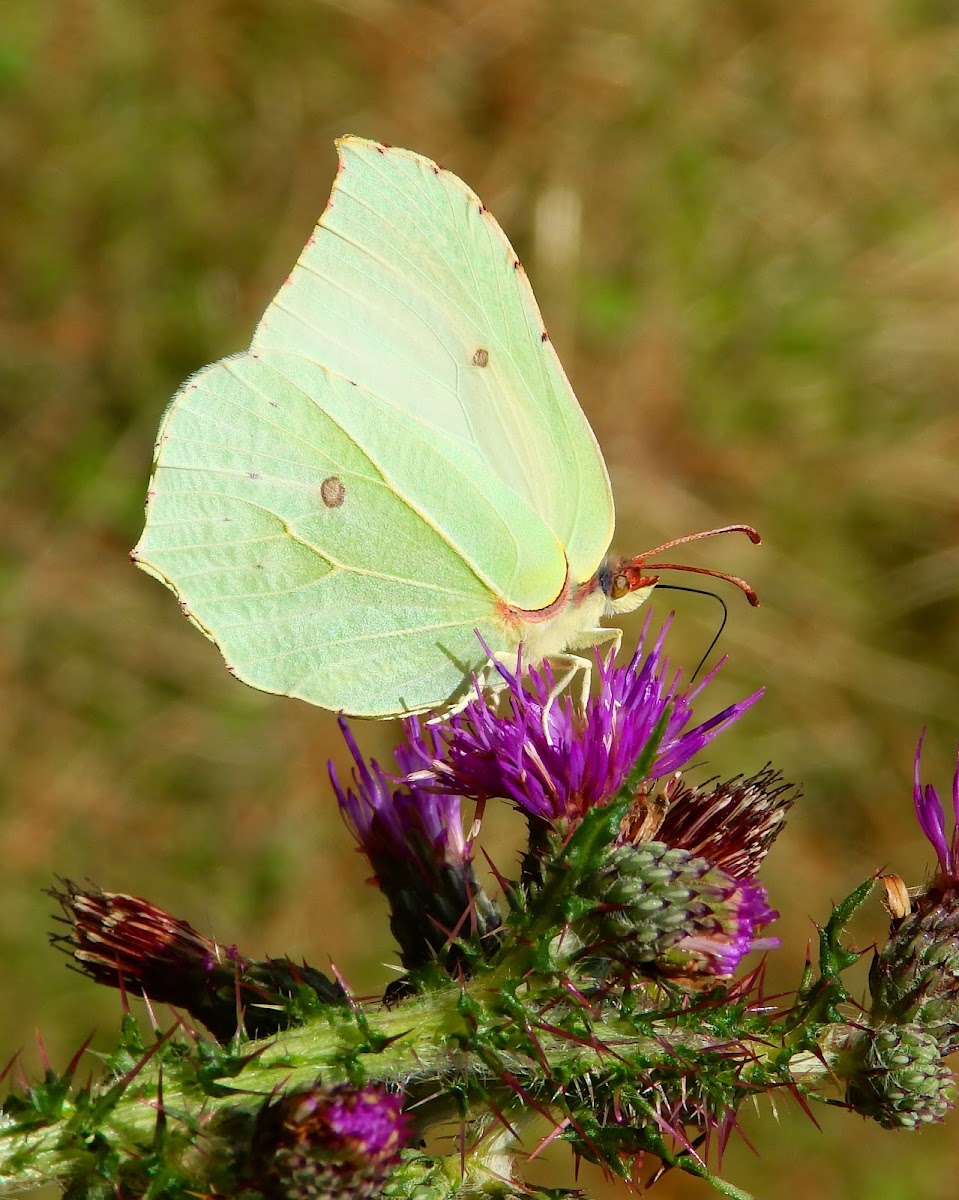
<point>340,1141</point>
<point>686,903</point>
<point>729,825</point>
<point>555,762</point>
<point>414,840</point>
<point>125,942</point>
<point>931,815</point>
<point>117,937</point>
<point>424,828</point>
<point>904,1082</point>
<point>732,823</point>
<point>673,913</point>
<point>915,975</point>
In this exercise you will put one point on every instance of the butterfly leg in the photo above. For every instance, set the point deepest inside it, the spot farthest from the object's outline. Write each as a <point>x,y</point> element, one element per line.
<point>488,683</point>
<point>571,664</point>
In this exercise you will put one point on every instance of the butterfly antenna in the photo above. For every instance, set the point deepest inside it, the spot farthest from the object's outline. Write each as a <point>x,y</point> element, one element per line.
<point>678,587</point>
<point>641,561</point>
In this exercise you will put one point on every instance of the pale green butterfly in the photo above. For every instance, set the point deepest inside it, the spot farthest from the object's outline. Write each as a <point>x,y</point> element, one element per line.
<point>396,465</point>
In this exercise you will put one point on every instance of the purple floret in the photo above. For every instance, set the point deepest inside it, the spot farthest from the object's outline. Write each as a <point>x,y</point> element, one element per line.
<point>555,762</point>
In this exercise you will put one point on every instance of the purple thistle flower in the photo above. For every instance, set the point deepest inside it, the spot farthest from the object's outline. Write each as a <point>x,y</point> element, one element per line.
<point>555,762</point>
<point>932,820</point>
<point>414,840</point>
<point>745,912</point>
<point>329,1141</point>
<point>730,825</point>
<point>371,1119</point>
<point>915,976</point>
<point>669,912</point>
<point>424,828</point>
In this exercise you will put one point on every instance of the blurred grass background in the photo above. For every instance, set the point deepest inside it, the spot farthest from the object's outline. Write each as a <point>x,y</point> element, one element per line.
<point>742,223</point>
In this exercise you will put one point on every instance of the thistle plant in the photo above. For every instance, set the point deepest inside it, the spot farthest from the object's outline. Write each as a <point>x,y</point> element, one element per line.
<point>596,996</point>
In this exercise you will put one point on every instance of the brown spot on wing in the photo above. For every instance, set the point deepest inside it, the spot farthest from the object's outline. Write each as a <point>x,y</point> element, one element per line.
<point>332,492</point>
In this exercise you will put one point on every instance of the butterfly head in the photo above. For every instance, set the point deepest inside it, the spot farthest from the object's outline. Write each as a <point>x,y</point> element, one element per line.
<point>628,582</point>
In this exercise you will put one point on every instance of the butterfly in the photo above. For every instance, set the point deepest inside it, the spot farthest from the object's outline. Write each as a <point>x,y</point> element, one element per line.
<point>395,481</point>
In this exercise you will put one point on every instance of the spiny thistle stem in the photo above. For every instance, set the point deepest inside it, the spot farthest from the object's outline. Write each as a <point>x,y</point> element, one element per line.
<point>596,1002</point>
<point>420,1045</point>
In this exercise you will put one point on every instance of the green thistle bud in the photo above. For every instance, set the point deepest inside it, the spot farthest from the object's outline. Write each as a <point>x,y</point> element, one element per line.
<point>664,908</point>
<point>422,1178</point>
<point>915,976</point>
<point>904,1081</point>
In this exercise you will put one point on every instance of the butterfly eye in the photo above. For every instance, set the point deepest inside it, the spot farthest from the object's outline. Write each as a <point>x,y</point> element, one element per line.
<point>619,585</point>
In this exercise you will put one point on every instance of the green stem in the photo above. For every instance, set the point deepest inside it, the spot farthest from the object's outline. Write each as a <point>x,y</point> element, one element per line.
<point>456,1049</point>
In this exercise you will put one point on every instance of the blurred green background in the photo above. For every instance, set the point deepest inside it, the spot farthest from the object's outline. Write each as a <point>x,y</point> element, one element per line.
<point>742,223</point>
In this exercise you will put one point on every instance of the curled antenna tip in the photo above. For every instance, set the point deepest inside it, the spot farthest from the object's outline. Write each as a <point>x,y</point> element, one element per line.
<point>752,534</point>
